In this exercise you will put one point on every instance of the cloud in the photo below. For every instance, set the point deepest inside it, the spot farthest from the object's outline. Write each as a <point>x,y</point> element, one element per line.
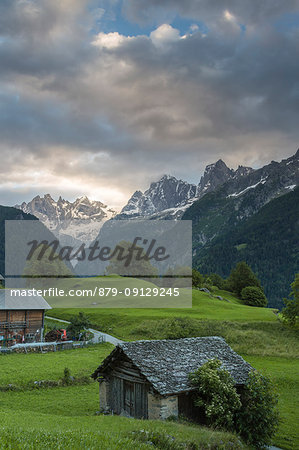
<point>109,40</point>
<point>250,12</point>
<point>164,35</point>
<point>83,110</point>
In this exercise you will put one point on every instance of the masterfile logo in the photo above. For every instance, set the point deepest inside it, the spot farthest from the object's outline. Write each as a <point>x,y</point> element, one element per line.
<point>130,260</point>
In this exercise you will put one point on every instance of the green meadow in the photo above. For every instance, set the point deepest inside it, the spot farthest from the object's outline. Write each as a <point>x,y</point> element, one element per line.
<point>255,333</point>
<point>20,369</point>
<point>65,416</point>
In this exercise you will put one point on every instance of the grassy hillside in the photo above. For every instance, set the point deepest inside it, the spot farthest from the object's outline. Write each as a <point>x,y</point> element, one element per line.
<point>284,373</point>
<point>122,322</point>
<point>65,417</point>
<point>255,333</point>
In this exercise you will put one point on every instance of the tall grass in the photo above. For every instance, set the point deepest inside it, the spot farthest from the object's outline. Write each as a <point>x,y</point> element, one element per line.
<point>252,338</point>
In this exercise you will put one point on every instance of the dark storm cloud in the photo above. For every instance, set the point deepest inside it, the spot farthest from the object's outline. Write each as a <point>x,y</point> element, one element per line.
<point>43,37</point>
<point>78,107</point>
<point>43,123</point>
<point>213,88</point>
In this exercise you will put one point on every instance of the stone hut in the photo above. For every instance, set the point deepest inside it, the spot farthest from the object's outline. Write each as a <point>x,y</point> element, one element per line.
<point>149,379</point>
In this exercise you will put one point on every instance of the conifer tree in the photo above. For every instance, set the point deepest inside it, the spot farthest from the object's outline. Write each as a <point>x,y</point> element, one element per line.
<point>242,276</point>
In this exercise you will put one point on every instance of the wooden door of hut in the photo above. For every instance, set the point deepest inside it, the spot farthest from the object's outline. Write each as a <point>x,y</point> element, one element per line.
<point>129,398</point>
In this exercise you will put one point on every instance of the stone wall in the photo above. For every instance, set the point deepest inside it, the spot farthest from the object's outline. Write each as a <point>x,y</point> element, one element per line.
<point>162,407</point>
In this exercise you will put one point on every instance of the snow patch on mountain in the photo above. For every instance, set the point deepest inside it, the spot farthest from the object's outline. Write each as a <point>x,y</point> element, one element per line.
<point>238,194</point>
<point>79,221</point>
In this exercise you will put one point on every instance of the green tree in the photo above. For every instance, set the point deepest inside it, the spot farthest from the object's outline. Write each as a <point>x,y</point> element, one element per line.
<point>208,283</point>
<point>291,310</point>
<point>197,278</point>
<point>217,280</point>
<point>258,418</point>
<point>78,326</point>
<point>253,296</point>
<point>217,397</point>
<point>242,276</point>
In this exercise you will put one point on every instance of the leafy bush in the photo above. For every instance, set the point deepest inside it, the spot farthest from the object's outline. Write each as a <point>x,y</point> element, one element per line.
<point>78,326</point>
<point>197,278</point>
<point>67,376</point>
<point>291,310</point>
<point>178,327</point>
<point>217,280</point>
<point>217,397</point>
<point>252,413</point>
<point>208,284</point>
<point>253,296</point>
<point>258,418</point>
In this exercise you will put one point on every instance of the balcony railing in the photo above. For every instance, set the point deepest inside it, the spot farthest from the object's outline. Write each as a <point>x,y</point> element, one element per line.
<point>13,325</point>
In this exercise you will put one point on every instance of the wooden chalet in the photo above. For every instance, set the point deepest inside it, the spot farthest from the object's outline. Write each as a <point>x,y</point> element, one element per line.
<point>149,379</point>
<point>21,318</point>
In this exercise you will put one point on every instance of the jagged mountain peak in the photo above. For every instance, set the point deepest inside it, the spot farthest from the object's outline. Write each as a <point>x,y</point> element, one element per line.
<point>220,164</point>
<point>169,197</point>
<point>81,219</point>
<point>214,175</point>
<point>243,171</point>
<point>167,177</point>
<point>165,194</point>
<point>82,199</point>
<point>48,197</point>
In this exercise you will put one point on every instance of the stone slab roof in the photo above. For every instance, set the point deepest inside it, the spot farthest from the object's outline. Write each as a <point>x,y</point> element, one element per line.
<point>9,302</point>
<point>167,363</point>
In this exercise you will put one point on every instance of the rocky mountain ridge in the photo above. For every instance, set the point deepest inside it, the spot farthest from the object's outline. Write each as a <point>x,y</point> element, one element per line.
<point>240,198</point>
<point>81,219</point>
<point>169,198</point>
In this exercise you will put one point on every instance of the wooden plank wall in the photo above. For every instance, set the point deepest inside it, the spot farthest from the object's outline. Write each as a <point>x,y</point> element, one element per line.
<point>20,323</point>
<point>123,370</point>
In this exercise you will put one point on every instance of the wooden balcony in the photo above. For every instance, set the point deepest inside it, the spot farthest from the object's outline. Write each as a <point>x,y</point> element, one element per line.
<point>13,325</point>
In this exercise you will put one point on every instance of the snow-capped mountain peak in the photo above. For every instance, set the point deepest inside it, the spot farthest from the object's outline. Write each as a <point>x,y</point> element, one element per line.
<point>165,194</point>
<point>81,219</point>
<point>169,197</point>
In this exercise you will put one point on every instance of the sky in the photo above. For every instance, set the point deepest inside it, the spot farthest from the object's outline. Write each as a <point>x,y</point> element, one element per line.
<point>100,98</point>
